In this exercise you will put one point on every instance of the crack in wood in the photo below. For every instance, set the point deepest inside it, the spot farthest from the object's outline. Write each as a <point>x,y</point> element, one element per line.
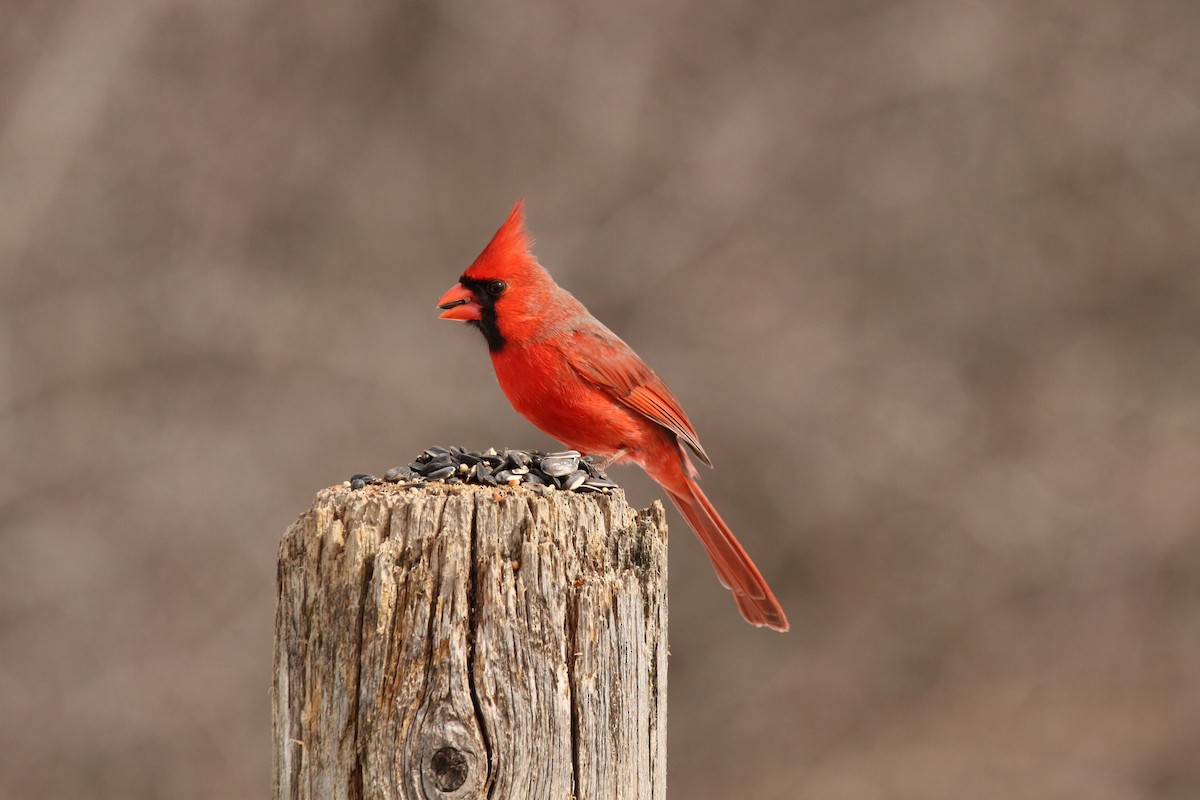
<point>472,623</point>
<point>573,694</point>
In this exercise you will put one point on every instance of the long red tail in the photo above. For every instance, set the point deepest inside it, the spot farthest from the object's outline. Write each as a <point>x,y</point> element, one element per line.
<point>734,568</point>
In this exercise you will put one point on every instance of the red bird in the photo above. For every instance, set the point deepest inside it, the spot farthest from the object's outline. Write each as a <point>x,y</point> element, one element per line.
<point>576,380</point>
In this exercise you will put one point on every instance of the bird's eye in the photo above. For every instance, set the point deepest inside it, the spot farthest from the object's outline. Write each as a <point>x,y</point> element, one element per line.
<point>496,288</point>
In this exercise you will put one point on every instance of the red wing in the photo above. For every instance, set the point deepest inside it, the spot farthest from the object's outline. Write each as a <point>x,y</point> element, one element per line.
<point>601,358</point>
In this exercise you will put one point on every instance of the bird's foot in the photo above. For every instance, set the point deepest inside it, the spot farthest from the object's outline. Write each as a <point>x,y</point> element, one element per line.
<point>608,462</point>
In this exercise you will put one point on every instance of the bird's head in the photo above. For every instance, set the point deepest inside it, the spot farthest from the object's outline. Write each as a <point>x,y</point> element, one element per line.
<point>505,290</point>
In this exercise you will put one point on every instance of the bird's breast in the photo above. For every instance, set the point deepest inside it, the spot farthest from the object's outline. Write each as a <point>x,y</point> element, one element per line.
<point>543,387</point>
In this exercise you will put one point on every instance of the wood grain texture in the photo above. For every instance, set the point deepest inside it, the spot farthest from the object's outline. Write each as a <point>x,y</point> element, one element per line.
<point>461,642</point>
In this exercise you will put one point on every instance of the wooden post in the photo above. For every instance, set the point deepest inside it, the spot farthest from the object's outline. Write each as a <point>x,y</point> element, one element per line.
<point>463,641</point>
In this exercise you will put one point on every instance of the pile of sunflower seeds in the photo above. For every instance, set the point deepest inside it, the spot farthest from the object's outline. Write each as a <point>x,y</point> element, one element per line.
<point>567,470</point>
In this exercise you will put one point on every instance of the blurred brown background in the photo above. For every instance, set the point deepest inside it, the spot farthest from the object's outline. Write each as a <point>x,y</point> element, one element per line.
<point>924,274</point>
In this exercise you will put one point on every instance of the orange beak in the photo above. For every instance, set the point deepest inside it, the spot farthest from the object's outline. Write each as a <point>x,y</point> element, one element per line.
<point>460,303</point>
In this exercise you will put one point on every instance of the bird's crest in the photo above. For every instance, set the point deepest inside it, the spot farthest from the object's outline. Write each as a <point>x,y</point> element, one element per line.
<point>508,249</point>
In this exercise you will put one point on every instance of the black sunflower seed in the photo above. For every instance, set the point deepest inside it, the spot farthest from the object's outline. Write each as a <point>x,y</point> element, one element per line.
<point>574,480</point>
<point>518,458</point>
<point>397,474</point>
<point>599,483</point>
<point>441,472</point>
<point>558,465</point>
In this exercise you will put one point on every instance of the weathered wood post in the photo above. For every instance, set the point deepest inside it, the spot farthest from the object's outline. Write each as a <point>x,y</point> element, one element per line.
<point>453,642</point>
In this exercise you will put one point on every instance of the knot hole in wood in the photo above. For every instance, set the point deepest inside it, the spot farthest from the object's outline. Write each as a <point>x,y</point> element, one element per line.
<point>449,768</point>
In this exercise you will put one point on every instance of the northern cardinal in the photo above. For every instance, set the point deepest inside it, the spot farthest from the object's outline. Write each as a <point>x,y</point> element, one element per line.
<point>575,379</point>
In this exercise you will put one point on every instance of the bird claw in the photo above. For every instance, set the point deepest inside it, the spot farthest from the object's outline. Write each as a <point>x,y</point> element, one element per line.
<point>608,462</point>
